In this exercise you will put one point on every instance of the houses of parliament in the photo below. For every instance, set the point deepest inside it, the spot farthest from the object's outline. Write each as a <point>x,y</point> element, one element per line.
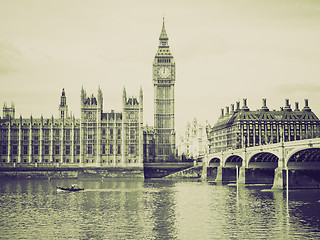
<point>98,138</point>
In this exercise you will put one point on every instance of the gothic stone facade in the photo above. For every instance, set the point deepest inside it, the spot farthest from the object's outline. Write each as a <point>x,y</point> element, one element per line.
<point>163,81</point>
<point>194,143</point>
<point>96,139</point>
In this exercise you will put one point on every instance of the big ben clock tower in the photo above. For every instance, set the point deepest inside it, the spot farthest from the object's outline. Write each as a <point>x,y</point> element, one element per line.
<point>163,81</point>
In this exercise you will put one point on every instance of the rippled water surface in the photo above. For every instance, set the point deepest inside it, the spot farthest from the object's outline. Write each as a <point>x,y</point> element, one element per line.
<point>154,209</point>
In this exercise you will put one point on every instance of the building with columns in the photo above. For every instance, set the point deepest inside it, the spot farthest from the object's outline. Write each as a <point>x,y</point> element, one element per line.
<point>96,139</point>
<point>240,127</point>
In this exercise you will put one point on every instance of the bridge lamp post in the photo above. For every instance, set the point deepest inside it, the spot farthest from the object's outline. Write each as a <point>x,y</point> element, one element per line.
<point>283,162</point>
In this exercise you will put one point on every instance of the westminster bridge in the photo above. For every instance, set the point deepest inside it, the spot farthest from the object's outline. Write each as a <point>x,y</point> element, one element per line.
<point>268,164</point>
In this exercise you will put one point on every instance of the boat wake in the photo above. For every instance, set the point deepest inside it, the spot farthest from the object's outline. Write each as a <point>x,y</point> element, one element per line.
<point>121,190</point>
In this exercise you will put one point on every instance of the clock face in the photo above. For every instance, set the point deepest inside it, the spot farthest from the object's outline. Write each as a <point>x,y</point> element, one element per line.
<point>164,72</point>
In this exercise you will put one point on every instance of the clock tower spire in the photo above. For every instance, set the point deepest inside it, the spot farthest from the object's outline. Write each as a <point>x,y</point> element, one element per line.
<point>164,81</point>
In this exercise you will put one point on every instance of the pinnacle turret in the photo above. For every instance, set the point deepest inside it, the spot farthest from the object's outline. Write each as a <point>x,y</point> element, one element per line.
<point>141,96</point>
<point>63,107</point>
<point>63,99</point>
<point>163,35</point>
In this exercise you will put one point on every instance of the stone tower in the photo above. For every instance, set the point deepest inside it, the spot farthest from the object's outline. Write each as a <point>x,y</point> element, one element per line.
<point>63,107</point>
<point>163,81</point>
<point>91,111</point>
<point>8,112</point>
<point>132,127</point>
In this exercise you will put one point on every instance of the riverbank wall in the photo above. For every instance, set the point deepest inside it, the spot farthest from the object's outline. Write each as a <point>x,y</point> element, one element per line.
<point>147,170</point>
<point>75,173</point>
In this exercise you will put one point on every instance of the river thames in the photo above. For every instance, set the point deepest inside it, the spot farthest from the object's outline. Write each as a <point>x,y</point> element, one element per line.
<point>154,209</point>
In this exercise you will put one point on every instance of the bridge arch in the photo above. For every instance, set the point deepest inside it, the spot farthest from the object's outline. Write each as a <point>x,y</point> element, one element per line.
<point>263,160</point>
<point>304,158</point>
<point>214,162</point>
<point>233,161</point>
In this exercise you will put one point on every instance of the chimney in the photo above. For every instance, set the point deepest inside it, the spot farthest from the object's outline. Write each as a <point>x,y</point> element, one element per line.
<point>287,107</point>
<point>306,107</point>
<point>238,106</point>
<point>245,107</point>
<point>232,108</point>
<point>227,111</point>
<point>264,105</point>
<point>222,113</point>
<point>297,106</point>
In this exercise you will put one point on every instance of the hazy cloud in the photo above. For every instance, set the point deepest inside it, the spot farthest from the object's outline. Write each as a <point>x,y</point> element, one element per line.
<point>304,87</point>
<point>224,51</point>
<point>9,58</point>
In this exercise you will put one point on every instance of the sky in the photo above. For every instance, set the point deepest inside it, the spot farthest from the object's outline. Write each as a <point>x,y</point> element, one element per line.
<point>225,50</point>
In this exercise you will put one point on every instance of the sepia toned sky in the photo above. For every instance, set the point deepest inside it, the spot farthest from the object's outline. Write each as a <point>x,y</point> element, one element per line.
<point>224,51</point>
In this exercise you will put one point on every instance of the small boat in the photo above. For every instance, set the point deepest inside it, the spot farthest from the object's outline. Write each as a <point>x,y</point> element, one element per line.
<point>73,188</point>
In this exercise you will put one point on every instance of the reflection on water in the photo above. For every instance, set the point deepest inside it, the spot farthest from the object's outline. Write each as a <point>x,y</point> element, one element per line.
<point>154,209</point>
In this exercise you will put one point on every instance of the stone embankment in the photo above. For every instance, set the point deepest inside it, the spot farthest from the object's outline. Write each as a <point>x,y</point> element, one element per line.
<point>189,173</point>
<point>54,173</point>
